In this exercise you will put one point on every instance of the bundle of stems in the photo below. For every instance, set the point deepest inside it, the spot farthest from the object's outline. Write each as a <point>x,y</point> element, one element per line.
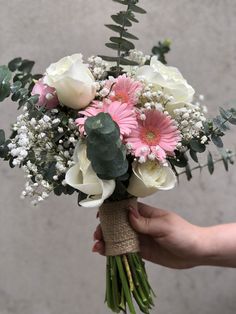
<point>126,281</point>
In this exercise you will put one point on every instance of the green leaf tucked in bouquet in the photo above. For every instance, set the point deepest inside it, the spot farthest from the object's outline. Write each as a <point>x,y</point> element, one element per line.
<point>2,137</point>
<point>5,76</point>
<point>104,147</point>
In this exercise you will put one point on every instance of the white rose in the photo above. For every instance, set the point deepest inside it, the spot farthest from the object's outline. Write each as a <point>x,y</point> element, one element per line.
<point>73,81</point>
<point>83,178</point>
<point>149,177</point>
<point>167,78</point>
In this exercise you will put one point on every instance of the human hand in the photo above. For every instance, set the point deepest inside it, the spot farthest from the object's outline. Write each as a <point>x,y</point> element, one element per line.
<point>165,238</point>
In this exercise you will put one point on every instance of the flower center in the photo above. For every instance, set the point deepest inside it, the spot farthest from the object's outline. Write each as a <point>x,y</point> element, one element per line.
<point>151,136</point>
<point>121,96</point>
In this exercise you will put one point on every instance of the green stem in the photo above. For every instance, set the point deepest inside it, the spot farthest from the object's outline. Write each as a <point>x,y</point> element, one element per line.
<point>125,284</point>
<point>142,292</point>
<point>121,35</point>
<point>223,123</point>
<point>114,284</point>
<point>206,164</point>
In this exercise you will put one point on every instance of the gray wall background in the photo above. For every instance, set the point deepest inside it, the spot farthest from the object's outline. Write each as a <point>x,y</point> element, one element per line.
<point>46,263</point>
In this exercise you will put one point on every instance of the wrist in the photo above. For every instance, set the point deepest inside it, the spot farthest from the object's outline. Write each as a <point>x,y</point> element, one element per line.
<point>204,252</point>
<point>210,252</point>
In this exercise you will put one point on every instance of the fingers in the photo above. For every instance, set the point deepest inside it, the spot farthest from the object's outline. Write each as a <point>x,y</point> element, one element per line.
<point>98,233</point>
<point>149,220</point>
<point>99,247</point>
<point>142,224</point>
<point>151,212</point>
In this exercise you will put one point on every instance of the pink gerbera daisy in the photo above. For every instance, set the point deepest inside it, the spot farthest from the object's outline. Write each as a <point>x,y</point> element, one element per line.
<point>155,137</point>
<point>121,113</point>
<point>125,90</point>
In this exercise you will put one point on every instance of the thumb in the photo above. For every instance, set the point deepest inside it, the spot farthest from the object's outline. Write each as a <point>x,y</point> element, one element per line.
<point>144,225</point>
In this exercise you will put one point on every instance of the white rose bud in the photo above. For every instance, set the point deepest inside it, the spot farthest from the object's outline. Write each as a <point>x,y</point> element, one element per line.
<point>83,178</point>
<point>149,177</point>
<point>168,79</point>
<point>72,80</point>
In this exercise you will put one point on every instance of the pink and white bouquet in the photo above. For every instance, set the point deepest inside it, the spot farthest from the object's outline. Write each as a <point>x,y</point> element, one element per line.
<point>110,130</point>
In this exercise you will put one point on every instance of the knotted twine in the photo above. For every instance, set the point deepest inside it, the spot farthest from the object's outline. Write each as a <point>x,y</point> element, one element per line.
<point>118,235</point>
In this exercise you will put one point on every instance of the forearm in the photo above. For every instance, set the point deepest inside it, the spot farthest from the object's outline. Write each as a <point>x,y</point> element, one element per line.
<point>217,245</point>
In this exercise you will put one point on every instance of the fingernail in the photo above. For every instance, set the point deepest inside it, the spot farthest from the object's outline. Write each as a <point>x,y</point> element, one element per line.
<point>134,211</point>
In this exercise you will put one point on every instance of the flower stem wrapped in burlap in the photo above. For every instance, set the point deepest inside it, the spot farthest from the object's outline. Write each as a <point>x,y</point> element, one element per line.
<point>126,277</point>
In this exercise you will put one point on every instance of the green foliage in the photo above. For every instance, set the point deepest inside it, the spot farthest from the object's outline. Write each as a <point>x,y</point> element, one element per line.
<point>193,155</point>
<point>104,147</point>
<point>122,44</point>
<point>5,87</point>
<point>2,137</point>
<point>161,50</point>
<point>17,81</point>
<point>188,172</point>
<point>197,146</point>
<point>180,160</point>
<point>221,124</point>
<point>20,65</point>
<point>210,163</point>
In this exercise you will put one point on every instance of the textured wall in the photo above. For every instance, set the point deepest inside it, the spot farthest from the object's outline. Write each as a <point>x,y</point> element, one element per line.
<point>46,264</point>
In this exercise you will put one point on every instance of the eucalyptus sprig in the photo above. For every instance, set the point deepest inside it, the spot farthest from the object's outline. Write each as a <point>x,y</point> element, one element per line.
<point>122,43</point>
<point>214,130</point>
<point>16,80</point>
<point>161,50</point>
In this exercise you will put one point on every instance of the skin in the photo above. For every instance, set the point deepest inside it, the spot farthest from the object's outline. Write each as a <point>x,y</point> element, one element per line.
<point>169,240</point>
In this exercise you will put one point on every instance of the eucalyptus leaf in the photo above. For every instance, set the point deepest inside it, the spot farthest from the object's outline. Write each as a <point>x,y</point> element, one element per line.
<point>125,2</point>
<point>104,147</point>
<point>206,127</point>
<point>196,146</point>
<point>14,64</point>
<point>124,61</point>
<point>129,35</point>
<point>224,113</point>
<point>114,28</point>
<point>188,172</point>
<point>224,156</point>
<point>5,90</point>
<point>2,137</point>
<point>5,87</point>
<point>210,163</point>
<point>180,160</point>
<point>121,19</point>
<point>5,74</point>
<point>193,154</point>
<point>110,59</point>
<point>113,46</point>
<point>132,18</point>
<point>26,66</point>
<point>16,86</point>
<point>32,100</point>
<point>221,123</point>
<point>127,45</point>
<point>217,140</point>
<point>232,121</point>
<point>137,9</point>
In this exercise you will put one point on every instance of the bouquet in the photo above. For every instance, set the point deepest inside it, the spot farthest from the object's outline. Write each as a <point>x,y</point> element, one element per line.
<point>110,130</point>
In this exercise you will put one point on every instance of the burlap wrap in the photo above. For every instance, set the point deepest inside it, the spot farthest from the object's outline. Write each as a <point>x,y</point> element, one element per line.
<point>118,235</point>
